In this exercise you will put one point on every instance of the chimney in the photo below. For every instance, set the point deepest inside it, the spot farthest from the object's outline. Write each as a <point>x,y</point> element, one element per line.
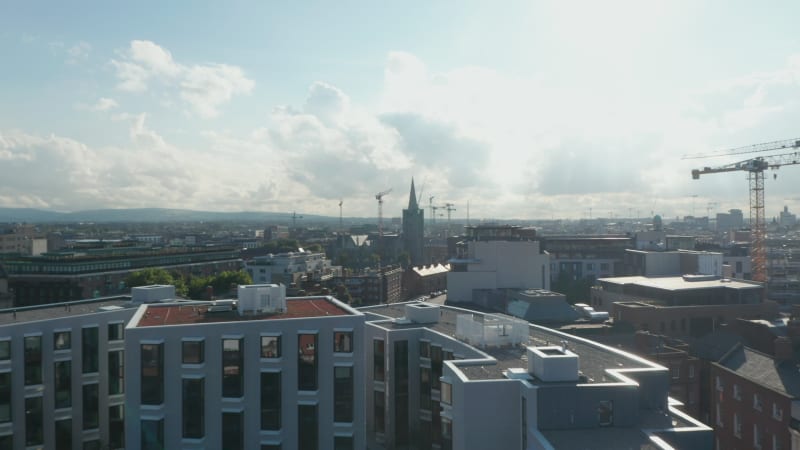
<point>783,349</point>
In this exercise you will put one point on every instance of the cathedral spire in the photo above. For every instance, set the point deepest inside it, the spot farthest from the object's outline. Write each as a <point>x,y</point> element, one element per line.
<point>412,197</point>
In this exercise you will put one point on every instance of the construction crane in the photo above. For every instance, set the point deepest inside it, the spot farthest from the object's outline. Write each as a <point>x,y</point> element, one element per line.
<point>295,216</point>
<point>449,208</point>
<point>341,202</point>
<point>379,197</point>
<point>755,168</point>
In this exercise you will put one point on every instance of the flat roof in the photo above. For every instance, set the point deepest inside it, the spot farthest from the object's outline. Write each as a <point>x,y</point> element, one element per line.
<point>64,309</point>
<point>679,283</point>
<point>595,358</point>
<point>197,312</point>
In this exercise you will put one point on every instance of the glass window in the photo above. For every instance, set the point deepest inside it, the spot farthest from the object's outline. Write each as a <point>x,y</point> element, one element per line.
<point>343,341</point>
<point>116,373</point>
<point>447,393</point>
<point>232,431</point>
<point>193,352</point>
<point>152,374</point>
<point>193,408</point>
<point>447,434</point>
<point>63,434</point>
<point>5,350</point>
<point>425,388</point>
<point>605,413</point>
<point>378,363</point>
<point>152,434</point>
<point>94,444</point>
<point>308,427</point>
<point>307,362</point>
<point>34,429</point>
<point>5,397</point>
<point>270,446</point>
<point>91,406</point>
<point>270,346</point>
<point>379,412</point>
<point>343,443</point>
<point>116,426</point>
<point>89,349</point>
<point>232,368</point>
<point>424,349</point>
<point>63,384</point>
<point>343,394</point>
<point>116,331</point>
<point>33,360</point>
<point>436,365</point>
<point>270,400</point>
<point>401,408</point>
<point>62,340</point>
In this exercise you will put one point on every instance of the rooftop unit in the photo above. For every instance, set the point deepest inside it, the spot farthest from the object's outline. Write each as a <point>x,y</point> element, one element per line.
<point>553,363</point>
<point>422,312</point>
<point>257,299</point>
<point>153,293</point>
<point>491,330</point>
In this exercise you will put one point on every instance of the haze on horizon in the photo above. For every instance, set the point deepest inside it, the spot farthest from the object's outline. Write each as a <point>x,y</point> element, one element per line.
<point>530,110</point>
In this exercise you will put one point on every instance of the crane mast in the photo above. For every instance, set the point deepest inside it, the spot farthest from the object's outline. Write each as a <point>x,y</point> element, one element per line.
<point>755,168</point>
<point>379,197</point>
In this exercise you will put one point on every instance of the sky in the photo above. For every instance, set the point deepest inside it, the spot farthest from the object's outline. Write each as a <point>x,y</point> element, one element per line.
<point>513,110</point>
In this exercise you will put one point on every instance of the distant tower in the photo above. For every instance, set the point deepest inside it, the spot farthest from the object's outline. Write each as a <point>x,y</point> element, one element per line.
<point>413,231</point>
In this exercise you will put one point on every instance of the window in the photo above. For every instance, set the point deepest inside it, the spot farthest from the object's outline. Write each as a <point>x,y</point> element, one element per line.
<point>5,397</point>
<point>718,383</point>
<point>343,394</point>
<point>401,409</point>
<point>425,388</point>
<point>719,416</point>
<point>270,346</point>
<point>152,374</point>
<point>116,373</point>
<point>757,402</point>
<point>590,267</point>
<point>343,342</point>
<point>737,394</point>
<point>7,442</point>
<point>270,446</point>
<point>776,442</point>
<point>63,434</point>
<point>436,365</point>
<point>307,362</point>
<point>343,443</point>
<point>379,412</point>
<point>605,413</point>
<point>447,393</point>
<point>193,352</point>
<point>777,412</point>
<point>193,408</point>
<point>447,434</point>
<point>62,384</point>
<point>34,429</point>
<point>691,371</point>
<point>270,400</point>
<point>116,426</point>
<point>424,349</point>
<point>232,368</point>
<point>756,436</point>
<point>116,331</point>
<point>62,340</point>
<point>91,406</point>
<point>737,425</point>
<point>308,427</point>
<point>377,360</point>
<point>5,350</point>
<point>33,360</point>
<point>89,349</point>
<point>603,266</point>
<point>524,416</point>
<point>675,371</point>
<point>152,434</point>
<point>94,444</point>
<point>232,431</point>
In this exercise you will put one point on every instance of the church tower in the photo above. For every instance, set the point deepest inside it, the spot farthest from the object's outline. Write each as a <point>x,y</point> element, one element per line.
<point>413,231</point>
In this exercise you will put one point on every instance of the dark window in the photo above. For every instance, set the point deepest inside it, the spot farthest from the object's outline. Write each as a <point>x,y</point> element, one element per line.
<point>447,355</point>
<point>270,346</point>
<point>116,331</point>
<point>447,434</point>
<point>425,388</point>
<point>307,427</point>
<point>307,362</point>
<point>436,365</point>
<point>193,352</point>
<point>5,350</point>
<point>5,397</point>
<point>270,446</point>
<point>379,414</point>
<point>33,360</point>
<point>152,374</point>
<point>232,368</point>
<point>91,406</point>
<point>343,443</point>
<point>378,363</point>
<point>94,444</point>
<point>62,340</point>
<point>232,431</point>
<point>401,416</point>
<point>63,384</point>
<point>193,408</point>
<point>424,349</point>
<point>270,400</point>
<point>425,434</point>
<point>64,434</point>
<point>7,442</point>
<point>152,434</point>
<point>524,414</point>
<point>605,413</point>
<point>116,373</point>
<point>116,426</point>
<point>343,341</point>
<point>34,431</point>
<point>343,394</point>
<point>89,349</point>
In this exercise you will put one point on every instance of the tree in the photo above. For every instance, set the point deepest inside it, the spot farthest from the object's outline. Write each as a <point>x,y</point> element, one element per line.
<point>156,275</point>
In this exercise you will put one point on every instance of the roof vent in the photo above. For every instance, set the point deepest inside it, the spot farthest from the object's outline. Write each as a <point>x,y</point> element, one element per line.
<point>553,363</point>
<point>261,299</point>
<point>221,306</point>
<point>422,312</point>
<point>153,293</point>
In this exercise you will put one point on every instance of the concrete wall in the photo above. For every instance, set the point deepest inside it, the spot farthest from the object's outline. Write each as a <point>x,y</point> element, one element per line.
<point>568,406</point>
<point>486,414</point>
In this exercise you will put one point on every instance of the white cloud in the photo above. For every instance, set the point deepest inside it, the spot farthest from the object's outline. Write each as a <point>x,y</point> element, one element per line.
<point>78,52</point>
<point>204,87</point>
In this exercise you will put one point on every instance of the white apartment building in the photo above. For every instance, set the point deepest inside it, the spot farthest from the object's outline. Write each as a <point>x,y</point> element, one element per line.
<point>283,267</point>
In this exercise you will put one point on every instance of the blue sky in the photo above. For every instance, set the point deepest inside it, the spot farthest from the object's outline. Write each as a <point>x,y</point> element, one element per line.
<point>530,109</point>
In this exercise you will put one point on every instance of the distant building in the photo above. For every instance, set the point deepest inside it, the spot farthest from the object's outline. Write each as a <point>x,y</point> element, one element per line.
<point>787,219</point>
<point>22,240</point>
<point>422,280</point>
<point>291,267</point>
<point>413,228</point>
<point>672,263</point>
<point>375,286</point>
<point>497,257</point>
<point>732,220</point>
<point>585,257</point>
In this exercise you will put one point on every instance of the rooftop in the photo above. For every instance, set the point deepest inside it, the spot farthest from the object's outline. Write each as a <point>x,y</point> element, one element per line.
<point>64,309</point>
<point>680,283</point>
<point>198,312</point>
<point>762,369</point>
<point>595,359</point>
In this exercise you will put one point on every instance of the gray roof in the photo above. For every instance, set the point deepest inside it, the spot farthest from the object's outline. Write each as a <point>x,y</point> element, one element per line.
<point>65,309</point>
<point>679,283</point>
<point>762,369</point>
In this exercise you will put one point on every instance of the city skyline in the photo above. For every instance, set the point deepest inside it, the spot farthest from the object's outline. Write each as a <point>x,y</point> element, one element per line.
<point>530,111</point>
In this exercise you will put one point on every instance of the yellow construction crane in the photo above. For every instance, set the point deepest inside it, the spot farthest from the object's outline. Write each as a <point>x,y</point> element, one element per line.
<point>755,168</point>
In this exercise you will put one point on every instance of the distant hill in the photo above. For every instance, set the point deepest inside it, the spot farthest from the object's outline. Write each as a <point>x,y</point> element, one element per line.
<point>149,215</point>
